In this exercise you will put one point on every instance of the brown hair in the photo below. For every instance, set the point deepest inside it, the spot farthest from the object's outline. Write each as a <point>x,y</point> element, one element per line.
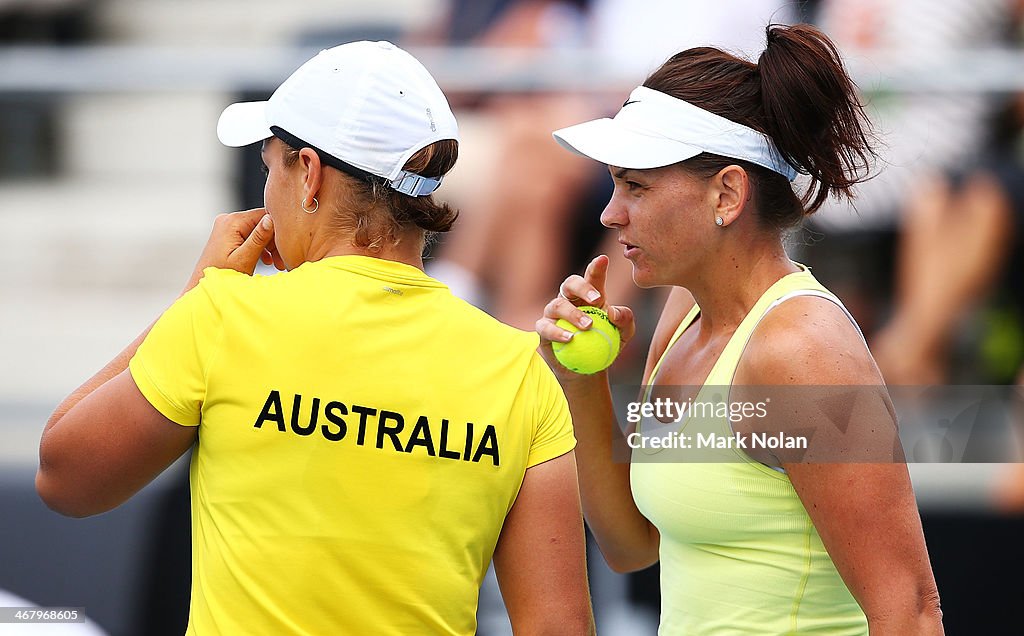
<point>383,212</point>
<point>798,94</point>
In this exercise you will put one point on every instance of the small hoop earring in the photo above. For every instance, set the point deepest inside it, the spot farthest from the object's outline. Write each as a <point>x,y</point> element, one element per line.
<point>719,221</point>
<point>316,206</point>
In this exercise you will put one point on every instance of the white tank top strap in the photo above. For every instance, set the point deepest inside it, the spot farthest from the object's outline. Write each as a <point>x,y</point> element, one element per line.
<point>820,294</point>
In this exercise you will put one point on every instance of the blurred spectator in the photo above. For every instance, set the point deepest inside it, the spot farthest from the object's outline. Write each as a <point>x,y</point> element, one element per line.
<point>958,310</point>
<point>953,194</point>
<point>530,212</point>
<point>956,253</point>
<point>519,182</point>
<point>952,189</point>
<point>923,132</point>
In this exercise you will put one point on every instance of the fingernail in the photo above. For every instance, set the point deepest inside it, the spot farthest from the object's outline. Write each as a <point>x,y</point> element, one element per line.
<point>593,295</point>
<point>567,335</point>
<point>267,222</point>
<point>585,322</point>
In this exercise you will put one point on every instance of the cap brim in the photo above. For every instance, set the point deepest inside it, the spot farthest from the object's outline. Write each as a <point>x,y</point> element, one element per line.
<point>243,123</point>
<point>611,142</point>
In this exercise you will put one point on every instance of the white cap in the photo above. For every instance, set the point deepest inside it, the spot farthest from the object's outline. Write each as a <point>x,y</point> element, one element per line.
<point>653,129</point>
<point>367,105</point>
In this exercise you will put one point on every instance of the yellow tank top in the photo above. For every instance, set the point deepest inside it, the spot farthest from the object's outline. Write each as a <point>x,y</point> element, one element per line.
<point>739,554</point>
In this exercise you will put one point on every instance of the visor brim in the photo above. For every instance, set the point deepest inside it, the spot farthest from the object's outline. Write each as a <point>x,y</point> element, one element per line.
<point>243,123</point>
<point>610,142</point>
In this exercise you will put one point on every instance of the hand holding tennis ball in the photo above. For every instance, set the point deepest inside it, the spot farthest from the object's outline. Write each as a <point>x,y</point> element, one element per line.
<point>584,332</point>
<point>590,350</point>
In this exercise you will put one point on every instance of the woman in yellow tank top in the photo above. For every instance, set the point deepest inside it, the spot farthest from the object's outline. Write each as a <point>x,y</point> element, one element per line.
<point>703,156</point>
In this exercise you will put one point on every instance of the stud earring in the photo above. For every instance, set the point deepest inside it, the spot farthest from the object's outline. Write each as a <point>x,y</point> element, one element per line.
<point>719,221</point>
<point>316,206</point>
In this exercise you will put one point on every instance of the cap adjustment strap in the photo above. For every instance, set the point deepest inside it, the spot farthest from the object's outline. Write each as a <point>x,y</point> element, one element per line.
<point>407,182</point>
<point>415,185</point>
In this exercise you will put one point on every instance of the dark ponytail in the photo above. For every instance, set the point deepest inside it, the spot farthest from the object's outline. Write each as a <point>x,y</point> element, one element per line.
<point>800,95</point>
<point>813,113</point>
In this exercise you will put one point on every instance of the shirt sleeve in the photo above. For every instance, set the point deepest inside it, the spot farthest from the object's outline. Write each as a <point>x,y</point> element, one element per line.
<point>553,435</point>
<point>171,365</point>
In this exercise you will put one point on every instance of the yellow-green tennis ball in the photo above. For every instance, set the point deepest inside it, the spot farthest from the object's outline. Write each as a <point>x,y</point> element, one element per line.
<point>590,350</point>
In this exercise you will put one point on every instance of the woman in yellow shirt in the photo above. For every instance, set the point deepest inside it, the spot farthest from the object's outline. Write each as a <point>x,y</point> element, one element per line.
<point>818,540</point>
<point>365,441</point>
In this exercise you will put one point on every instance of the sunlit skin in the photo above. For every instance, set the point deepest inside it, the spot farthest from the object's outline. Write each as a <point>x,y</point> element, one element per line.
<point>665,219</point>
<point>656,213</point>
<point>280,199</point>
<point>299,236</point>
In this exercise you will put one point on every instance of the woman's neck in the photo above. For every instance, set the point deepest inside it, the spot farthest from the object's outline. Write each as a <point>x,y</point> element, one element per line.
<point>728,288</point>
<point>408,249</point>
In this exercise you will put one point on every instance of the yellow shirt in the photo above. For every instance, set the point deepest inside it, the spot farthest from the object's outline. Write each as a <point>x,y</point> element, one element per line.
<point>739,554</point>
<point>362,435</point>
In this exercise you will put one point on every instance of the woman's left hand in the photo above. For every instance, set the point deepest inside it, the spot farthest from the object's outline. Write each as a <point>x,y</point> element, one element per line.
<point>238,241</point>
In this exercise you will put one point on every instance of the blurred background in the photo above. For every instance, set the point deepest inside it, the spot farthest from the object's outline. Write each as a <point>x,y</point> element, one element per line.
<point>111,174</point>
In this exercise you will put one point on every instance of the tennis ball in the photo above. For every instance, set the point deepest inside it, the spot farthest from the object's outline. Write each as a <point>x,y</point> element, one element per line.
<point>590,350</point>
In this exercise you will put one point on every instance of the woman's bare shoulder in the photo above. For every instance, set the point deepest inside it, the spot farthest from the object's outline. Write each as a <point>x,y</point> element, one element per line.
<point>807,340</point>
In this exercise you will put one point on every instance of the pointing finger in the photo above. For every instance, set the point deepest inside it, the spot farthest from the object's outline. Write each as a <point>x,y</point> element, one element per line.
<point>596,275</point>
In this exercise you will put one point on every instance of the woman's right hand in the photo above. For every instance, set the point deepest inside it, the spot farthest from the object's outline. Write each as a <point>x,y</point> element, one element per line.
<point>238,241</point>
<point>576,291</point>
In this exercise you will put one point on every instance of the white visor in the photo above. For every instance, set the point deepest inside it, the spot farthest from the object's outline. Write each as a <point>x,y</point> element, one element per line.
<point>653,129</point>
